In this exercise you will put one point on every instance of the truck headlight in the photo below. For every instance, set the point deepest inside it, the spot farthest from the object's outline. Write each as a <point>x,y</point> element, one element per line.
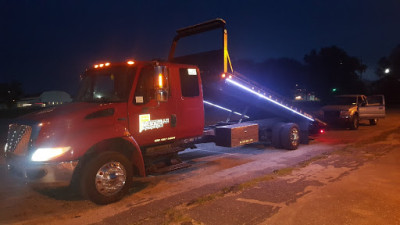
<point>45,154</point>
<point>345,113</point>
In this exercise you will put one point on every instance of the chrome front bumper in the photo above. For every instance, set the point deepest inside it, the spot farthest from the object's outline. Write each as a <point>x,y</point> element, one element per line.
<point>45,174</point>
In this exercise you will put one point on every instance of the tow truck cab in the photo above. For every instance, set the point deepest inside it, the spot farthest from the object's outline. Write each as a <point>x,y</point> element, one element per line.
<point>159,98</point>
<point>122,112</point>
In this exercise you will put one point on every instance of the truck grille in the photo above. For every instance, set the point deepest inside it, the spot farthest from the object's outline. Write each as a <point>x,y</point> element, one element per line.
<point>331,114</point>
<point>18,139</point>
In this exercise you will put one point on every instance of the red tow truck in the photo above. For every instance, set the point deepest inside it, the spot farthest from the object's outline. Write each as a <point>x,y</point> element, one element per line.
<point>133,118</point>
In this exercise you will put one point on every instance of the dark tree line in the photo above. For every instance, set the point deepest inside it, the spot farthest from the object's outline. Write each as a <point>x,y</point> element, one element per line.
<point>326,72</point>
<point>10,93</point>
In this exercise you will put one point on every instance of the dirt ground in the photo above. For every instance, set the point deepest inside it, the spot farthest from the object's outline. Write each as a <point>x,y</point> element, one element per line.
<point>338,178</point>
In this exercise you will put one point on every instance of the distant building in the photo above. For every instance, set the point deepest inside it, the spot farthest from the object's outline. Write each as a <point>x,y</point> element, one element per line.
<point>302,94</point>
<point>46,99</point>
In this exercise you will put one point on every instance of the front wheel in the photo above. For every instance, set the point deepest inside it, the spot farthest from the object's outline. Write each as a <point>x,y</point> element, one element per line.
<point>355,122</point>
<point>106,178</point>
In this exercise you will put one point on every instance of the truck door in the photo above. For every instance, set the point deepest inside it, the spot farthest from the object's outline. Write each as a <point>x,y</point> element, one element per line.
<point>374,107</point>
<point>191,108</point>
<point>152,113</point>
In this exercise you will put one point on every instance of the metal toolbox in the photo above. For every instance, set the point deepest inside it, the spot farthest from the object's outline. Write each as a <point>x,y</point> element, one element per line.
<point>236,134</point>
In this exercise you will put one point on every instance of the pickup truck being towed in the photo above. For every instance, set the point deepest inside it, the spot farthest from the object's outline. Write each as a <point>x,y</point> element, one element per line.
<point>348,110</point>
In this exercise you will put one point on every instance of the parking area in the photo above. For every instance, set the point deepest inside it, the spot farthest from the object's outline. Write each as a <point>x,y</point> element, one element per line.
<point>212,169</point>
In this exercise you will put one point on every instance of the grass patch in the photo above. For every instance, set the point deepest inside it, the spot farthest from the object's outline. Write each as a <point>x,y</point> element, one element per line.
<point>284,171</point>
<point>173,216</point>
<point>254,182</point>
<point>313,159</point>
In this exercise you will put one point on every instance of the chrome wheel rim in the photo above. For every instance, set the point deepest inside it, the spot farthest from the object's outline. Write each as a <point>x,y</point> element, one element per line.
<point>294,137</point>
<point>110,178</point>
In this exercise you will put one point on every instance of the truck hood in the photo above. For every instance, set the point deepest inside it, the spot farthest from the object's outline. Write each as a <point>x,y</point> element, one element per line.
<point>337,107</point>
<point>66,113</point>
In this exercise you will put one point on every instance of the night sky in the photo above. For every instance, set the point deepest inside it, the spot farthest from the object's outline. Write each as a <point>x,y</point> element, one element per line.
<point>46,45</point>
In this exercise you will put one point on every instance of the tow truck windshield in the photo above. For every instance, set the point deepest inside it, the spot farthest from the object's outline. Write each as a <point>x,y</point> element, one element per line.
<point>106,85</point>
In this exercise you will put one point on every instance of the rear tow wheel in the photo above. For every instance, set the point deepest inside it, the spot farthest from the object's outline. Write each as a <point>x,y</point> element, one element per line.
<point>290,136</point>
<point>276,135</point>
<point>373,122</point>
<point>106,178</point>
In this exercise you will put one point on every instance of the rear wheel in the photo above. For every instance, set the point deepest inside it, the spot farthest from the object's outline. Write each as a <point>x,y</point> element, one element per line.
<point>355,122</point>
<point>276,135</point>
<point>106,178</point>
<point>373,122</point>
<point>290,136</point>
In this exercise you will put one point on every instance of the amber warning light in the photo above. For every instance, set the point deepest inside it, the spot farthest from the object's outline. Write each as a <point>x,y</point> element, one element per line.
<point>224,76</point>
<point>102,65</point>
<point>160,80</point>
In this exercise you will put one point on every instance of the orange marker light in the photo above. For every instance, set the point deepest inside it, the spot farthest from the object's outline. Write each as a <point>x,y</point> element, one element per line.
<point>160,80</point>
<point>223,75</point>
<point>107,64</point>
<point>96,66</point>
<point>130,62</point>
<point>101,65</point>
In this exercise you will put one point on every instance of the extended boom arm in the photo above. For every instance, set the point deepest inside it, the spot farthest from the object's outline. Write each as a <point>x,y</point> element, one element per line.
<point>201,28</point>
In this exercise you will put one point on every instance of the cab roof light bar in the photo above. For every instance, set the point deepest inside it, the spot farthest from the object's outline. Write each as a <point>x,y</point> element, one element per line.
<point>252,90</point>
<point>223,108</point>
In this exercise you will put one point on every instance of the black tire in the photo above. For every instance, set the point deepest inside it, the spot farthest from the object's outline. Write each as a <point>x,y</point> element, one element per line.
<point>276,135</point>
<point>355,122</point>
<point>290,136</point>
<point>106,178</point>
<point>373,122</point>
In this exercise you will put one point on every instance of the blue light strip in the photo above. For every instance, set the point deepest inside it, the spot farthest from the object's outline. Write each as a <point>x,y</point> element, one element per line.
<point>266,98</point>
<point>223,108</point>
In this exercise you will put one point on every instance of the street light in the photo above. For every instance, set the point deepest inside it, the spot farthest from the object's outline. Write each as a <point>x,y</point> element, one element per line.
<point>387,70</point>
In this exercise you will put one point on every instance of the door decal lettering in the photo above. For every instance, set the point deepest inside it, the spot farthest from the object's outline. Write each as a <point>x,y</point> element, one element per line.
<point>145,123</point>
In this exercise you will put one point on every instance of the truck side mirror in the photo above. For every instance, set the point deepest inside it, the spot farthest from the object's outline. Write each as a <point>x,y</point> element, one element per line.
<point>162,95</point>
<point>161,83</point>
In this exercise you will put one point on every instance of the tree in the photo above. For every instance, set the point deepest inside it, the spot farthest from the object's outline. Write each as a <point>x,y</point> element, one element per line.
<point>390,66</point>
<point>10,92</point>
<point>389,72</point>
<point>332,71</point>
<point>280,75</point>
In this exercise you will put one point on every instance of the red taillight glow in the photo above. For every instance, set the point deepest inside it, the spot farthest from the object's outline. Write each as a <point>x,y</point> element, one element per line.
<point>130,62</point>
<point>322,131</point>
